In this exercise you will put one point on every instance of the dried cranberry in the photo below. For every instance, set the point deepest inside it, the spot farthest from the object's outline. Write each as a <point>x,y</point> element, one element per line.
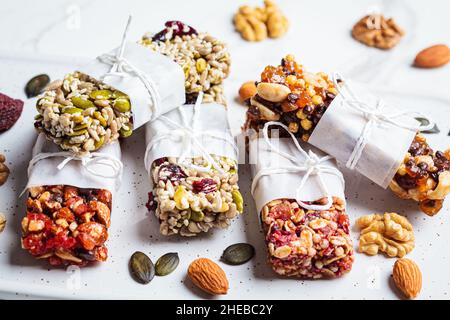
<point>171,172</point>
<point>61,241</point>
<point>205,185</point>
<point>151,203</point>
<point>160,161</point>
<point>173,29</point>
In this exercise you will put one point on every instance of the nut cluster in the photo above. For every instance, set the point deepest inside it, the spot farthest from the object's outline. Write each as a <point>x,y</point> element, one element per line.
<point>205,60</point>
<point>424,176</point>
<point>67,225</point>
<point>390,233</point>
<point>4,170</point>
<point>256,24</point>
<point>80,114</point>
<point>291,95</point>
<point>377,31</point>
<point>307,243</point>
<point>190,201</point>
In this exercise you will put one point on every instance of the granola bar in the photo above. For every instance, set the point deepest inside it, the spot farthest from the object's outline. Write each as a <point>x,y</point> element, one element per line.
<point>297,98</point>
<point>307,243</point>
<point>188,202</point>
<point>81,114</point>
<point>67,225</point>
<point>204,59</point>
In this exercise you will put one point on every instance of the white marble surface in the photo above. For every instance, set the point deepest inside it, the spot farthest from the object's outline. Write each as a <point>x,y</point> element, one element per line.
<point>54,36</point>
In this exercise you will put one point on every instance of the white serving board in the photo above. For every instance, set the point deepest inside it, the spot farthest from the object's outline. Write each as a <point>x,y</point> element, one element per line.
<point>134,229</point>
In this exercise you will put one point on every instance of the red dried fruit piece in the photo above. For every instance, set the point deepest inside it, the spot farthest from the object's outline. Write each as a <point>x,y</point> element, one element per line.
<point>101,253</point>
<point>104,196</point>
<point>173,28</point>
<point>34,244</point>
<point>92,234</point>
<point>206,185</point>
<point>10,111</point>
<point>281,211</point>
<point>39,222</point>
<point>102,211</point>
<point>171,172</point>
<point>151,203</point>
<point>61,241</point>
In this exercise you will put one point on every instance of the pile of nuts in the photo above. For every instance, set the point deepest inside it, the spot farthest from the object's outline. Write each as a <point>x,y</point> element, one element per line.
<point>67,225</point>
<point>190,201</point>
<point>307,243</point>
<point>377,31</point>
<point>205,60</point>
<point>390,233</point>
<point>424,176</point>
<point>289,94</point>
<point>256,24</point>
<point>4,170</point>
<point>80,114</point>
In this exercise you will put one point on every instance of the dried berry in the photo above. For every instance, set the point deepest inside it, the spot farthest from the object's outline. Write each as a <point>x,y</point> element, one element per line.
<point>238,253</point>
<point>10,111</point>
<point>171,172</point>
<point>141,267</point>
<point>206,185</point>
<point>173,29</point>
<point>151,203</point>
<point>36,85</point>
<point>167,264</point>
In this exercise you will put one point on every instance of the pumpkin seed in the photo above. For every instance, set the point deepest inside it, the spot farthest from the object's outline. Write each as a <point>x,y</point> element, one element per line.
<point>119,94</point>
<point>36,85</point>
<point>125,133</point>
<point>167,264</point>
<point>101,94</point>
<point>238,200</point>
<point>81,103</point>
<point>426,122</point>
<point>238,253</point>
<point>72,110</point>
<point>197,216</point>
<point>141,267</point>
<point>121,105</point>
<point>99,143</point>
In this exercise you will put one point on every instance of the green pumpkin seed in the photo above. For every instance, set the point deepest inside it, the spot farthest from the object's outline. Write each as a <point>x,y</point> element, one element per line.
<point>101,94</point>
<point>167,264</point>
<point>119,94</point>
<point>38,117</point>
<point>121,105</point>
<point>36,85</point>
<point>72,110</point>
<point>77,133</point>
<point>81,103</point>
<point>141,267</point>
<point>426,122</point>
<point>238,200</point>
<point>99,143</point>
<point>80,127</point>
<point>197,216</point>
<point>77,118</point>
<point>238,253</point>
<point>125,133</point>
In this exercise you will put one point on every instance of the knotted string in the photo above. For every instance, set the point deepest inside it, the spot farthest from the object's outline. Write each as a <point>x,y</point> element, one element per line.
<point>121,67</point>
<point>375,115</point>
<point>309,163</point>
<point>88,162</point>
<point>190,135</point>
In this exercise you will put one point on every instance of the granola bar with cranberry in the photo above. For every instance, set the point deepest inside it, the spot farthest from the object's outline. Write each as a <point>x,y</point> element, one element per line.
<point>67,225</point>
<point>307,243</point>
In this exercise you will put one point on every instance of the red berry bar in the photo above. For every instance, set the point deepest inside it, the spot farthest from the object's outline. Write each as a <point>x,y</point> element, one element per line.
<point>67,225</point>
<point>307,243</point>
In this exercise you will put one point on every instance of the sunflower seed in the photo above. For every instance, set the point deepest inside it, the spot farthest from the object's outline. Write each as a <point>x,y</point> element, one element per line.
<point>141,267</point>
<point>167,264</point>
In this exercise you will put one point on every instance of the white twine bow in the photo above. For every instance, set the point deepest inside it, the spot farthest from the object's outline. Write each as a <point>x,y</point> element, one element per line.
<point>375,115</point>
<point>190,135</point>
<point>309,163</point>
<point>90,163</point>
<point>121,67</point>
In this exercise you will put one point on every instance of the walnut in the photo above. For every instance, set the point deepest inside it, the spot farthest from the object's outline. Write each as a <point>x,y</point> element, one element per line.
<point>2,222</point>
<point>377,31</point>
<point>4,170</point>
<point>256,24</point>
<point>390,233</point>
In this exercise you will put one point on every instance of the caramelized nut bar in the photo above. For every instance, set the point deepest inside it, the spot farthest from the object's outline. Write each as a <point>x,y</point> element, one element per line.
<point>81,114</point>
<point>188,201</point>
<point>67,225</point>
<point>307,243</point>
<point>297,98</point>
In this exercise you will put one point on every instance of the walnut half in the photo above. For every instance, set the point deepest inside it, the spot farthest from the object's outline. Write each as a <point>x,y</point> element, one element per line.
<point>390,233</point>
<point>4,171</point>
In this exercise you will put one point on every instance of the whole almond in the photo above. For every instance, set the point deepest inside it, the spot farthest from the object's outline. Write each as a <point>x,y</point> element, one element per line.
<point>208,276</point>
<point>433,57</point>
<point>407,277</point>
<point>247,90</point>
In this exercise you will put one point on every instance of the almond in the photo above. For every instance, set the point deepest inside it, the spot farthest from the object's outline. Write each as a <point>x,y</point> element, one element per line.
<point>433,57</point>
<point>247,90</point>
<point>208,276</point>
<point>407,277</point>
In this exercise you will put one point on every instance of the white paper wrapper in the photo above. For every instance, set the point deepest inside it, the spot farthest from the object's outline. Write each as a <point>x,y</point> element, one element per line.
<point>284,185</point>
<point>167,75</point>
<point>212,117</point>
<point>341,126</point>
<point>45,171</point>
